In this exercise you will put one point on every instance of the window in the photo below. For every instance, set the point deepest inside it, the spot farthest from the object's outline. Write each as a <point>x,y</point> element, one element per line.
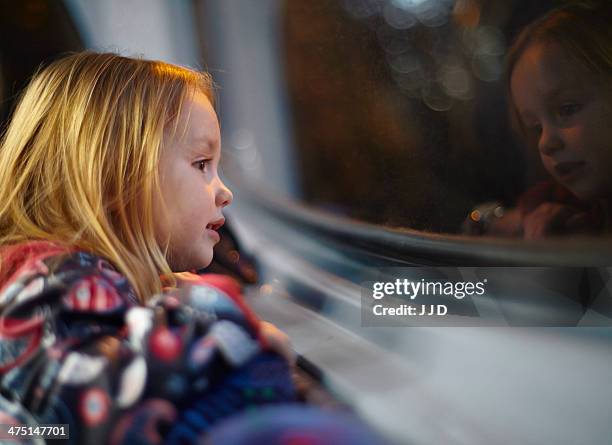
<point>399,109</point>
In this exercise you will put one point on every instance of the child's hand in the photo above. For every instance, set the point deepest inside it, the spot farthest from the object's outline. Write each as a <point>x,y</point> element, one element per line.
<point>278,341</point>
<point>184,279</point>
<point>509,225</point>
<point>274,338</point>
<point>552,218</point>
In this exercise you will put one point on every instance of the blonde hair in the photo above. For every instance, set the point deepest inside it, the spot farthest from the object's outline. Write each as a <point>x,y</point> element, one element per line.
<point>78,162</point>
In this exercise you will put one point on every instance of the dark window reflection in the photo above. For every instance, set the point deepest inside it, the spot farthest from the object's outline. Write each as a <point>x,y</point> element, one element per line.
<point>399,107</point>
<point>32,33</point>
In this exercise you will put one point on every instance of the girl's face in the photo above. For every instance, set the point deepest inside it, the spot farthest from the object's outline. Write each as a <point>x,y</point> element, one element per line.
<point>193,193</point>
<point>567,114</point>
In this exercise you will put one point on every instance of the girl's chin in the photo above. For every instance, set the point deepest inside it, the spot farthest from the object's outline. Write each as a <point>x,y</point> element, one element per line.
<point>192,264</point>
<point>586,192</point>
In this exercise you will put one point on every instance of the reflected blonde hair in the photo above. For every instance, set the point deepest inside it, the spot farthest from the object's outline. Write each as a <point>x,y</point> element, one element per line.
<point>78,161</point>
<point>582,29</point>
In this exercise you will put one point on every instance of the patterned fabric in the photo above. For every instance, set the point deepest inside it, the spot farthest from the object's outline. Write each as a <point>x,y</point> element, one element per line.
<point>294,425</point>
<point>76,347</point>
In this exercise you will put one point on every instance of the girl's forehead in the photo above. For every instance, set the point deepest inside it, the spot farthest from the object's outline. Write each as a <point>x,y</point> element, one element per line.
<point>197,121</point>
<point>559,63</point>
<point>550,69</point>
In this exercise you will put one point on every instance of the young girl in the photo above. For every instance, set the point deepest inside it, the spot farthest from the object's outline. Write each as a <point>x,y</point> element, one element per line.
<point>109,181</point>
<point>559,80</point>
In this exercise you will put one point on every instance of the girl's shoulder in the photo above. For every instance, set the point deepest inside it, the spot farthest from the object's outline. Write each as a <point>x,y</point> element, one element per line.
<point>74,350</point>
<point>32,269</point>
<point>55,293</point>
<point>52,292</point>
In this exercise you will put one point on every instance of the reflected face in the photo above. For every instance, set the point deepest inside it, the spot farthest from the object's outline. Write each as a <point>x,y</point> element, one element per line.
<point>191,189</point>
<point>567,114</point>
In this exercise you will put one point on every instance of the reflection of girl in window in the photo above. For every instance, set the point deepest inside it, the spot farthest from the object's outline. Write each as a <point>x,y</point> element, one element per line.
<point>559,78</point>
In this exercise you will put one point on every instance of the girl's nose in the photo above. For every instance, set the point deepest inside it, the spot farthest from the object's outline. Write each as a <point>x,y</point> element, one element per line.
<point>550,140</point>
<point>224,195</point>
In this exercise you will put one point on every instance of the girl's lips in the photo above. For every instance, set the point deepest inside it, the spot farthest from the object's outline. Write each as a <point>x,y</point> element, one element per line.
<point>213,234</point>
<point>568,170</point>
<point>213,227</point>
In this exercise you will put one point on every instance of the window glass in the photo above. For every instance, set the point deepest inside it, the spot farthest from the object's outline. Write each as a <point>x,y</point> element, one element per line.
<point>399,110</point>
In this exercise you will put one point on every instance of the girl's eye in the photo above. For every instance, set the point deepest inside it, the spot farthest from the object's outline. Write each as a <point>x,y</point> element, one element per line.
<point>568,110</point>
<point>201,165</point>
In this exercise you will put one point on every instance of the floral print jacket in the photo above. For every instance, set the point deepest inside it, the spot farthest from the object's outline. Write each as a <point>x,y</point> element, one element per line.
<point>77,348</point>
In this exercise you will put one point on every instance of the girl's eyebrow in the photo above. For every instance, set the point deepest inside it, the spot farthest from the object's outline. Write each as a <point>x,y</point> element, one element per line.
<point>553,92</point>
<point>201,150</point>
<point>562,87</point>
<point>203,144</point>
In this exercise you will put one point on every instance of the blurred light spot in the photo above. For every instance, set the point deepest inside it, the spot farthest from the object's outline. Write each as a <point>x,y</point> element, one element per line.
<point>499,211</point>
<point>242,139</point>
<point>251,161</point>
<point>467,13</point>
<point>456,81</point>
<point>391,41</point>
<point>436,98</point>
<point>489,41</point>
<point>404,63</point>
<point>411,83</point>
<point>234,256</point>
<point>249,158</point>
<point>487,68</point>
<point>475,215</point>
<point>434,13</point>
<point>451,57</point>
<point>362,9</point>
<point>398,18</point>
<point>485,40</point>
<point>409,4</point>
<point>433,19</point>
<point>266,289</point>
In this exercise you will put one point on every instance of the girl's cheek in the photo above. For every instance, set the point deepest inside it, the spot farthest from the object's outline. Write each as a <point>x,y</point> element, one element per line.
<point>548,165</point>
<point>582,141</point>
